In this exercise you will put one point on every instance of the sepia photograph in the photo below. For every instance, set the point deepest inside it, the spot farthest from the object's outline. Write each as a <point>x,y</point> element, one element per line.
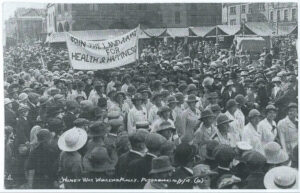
<point>168,95</point>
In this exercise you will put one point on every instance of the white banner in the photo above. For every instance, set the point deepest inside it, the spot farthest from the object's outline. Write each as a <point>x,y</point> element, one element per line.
<point>98,55</point>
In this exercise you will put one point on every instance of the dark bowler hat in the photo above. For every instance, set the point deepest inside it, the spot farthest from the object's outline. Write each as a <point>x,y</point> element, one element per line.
<point>206,114</point>
<point>191,98</point>
<point>222,119</point>
<point>161,164</point>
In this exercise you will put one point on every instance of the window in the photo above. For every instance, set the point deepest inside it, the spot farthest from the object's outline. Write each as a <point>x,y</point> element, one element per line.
<point>278,15</point>
<point>96,7</point>
<point>62,7</point>
<point>261,6</point>
<point>250,9</point>
<point>285,15</point>
<point>232,22</point>
<point>91,7</point>
<point>177,17</point>
<point>243,8</point>
<point>271,16</point>
<point>59,9</point>
<point>294,14</point>
<point>232,11</point>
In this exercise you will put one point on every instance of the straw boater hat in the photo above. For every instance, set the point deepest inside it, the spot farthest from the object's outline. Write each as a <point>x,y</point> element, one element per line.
<point>274,154</point>
<point>72,140</point>
<point>282,177</point>
<point>243,145</point>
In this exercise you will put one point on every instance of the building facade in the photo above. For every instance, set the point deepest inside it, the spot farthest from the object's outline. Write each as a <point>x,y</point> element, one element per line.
<point>238,13</point>
<point>27,24</point>
<point>77,17</point>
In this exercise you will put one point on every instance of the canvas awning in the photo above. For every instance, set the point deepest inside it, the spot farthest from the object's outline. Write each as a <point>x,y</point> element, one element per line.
<point>201,31</point>
<point>156,32</point>
<point>286,30</point>
<point>230,29</point>
<point>261,28</point>
<point>178,32</point>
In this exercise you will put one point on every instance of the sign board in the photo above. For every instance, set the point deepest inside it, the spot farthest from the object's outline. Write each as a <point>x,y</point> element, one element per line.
<point>99,55</point>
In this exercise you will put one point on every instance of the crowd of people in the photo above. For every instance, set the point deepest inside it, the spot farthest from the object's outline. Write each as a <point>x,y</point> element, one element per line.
<point>184,116</point>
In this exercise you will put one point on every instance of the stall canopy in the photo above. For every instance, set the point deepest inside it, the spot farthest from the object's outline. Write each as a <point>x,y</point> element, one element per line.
<point>201,31</point>
<point>156,32</point>
<point>287,30</point>
<point>178,32</point>
<point>261,28</point>
<point>230,29</point>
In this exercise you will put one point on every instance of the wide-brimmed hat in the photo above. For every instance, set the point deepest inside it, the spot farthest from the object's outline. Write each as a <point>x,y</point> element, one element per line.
<point>254,113</point>
<point>253,159</point>
<point>230,103</point>
<point>191,87</point>
<point>222,119</point>
<point>163,109</point>
<point>276,79</point>
<point>274,153</point>
<point>282,177</point>
<point>166,125</point>
<point>7,101</point>
<point>120,93</point>
<point>270,108</point>
<point>240,99</point>
<point>161,164</point>
<point>72,140</point>
<point>170,84</point>
<point>191,98</point>
<point>142,125</point>
<point>202,170</point>
<point>206,114</point>
<point>172,99</point>
<point>243,145</point>
<point>293,105</point>
<point>97,160</point>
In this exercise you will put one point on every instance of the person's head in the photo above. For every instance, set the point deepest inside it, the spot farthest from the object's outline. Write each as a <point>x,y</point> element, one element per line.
<point>223,123</point>
<point>98,87</point>
<point>156,99</point>
<point>43,136</point>
<point>164,112</point>
<point>231,106</point>
<point>216,109</point>
<point>166,129</point>
<point>120,97</point>
<point>8,103</point>
<point>23,111</point>
<point>172,102</point>
<point>180,98</point>
<point>254,160</point>
<point>271,112</point>
<point>254,117</point>
<point>224,155</point>
<point>161,168</point>
<point>240,100</point>
<point>184,154</point>
<point>153,142</point>
<point>137,99</point>
<point>207,117</point>
<point>80,86</point>
<point>168,149</point>
<point>293,111</point>
<point>137,141</point>
<point>213,97</point>
<point>191,101</point>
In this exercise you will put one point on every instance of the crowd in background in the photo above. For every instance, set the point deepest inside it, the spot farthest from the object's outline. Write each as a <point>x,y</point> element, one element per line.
<point>191,114</point>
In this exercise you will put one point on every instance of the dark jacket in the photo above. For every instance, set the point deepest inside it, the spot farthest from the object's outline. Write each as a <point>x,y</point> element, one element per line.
<point>10,118</point>
<point>69,119</point>
<point>140,169</point>
<point>255,181</point>
<point>122,165</point>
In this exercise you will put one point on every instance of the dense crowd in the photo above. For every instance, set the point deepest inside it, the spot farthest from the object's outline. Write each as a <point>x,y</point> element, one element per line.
<point>186,115</point>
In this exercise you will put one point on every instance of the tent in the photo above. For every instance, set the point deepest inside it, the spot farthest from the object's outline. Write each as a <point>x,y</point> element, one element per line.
<point>287,30</point>
<point>230,29</point>
<point>261,28</point>
<point>178,32</point>
<point>201,31</point>
<point>252,44</point>
<point>156,32</point>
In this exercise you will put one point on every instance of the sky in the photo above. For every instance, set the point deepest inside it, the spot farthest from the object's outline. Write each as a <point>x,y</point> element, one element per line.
<point>10,7</point>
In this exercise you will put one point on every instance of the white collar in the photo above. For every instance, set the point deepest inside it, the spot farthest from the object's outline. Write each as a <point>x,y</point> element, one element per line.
<point>136,152</point>
<point>188,169</point>
<point>223,168</point>
<point>151,154</point>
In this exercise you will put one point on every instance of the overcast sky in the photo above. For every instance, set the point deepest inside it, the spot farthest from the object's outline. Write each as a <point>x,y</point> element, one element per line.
<point>10,7</point>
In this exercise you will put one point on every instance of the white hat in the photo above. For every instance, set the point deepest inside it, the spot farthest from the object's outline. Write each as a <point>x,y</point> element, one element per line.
<point>243,145</point>
<point>282,177</point>
<point>72,140</point>
<point>7,101</point>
